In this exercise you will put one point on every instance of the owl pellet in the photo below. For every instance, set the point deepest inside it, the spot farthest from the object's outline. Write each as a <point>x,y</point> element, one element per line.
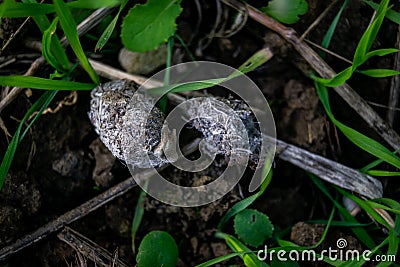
<point>117,114</point>
<point>220,132</point>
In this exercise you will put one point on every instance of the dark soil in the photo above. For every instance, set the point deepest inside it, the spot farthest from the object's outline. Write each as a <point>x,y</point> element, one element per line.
<point>62,163</point>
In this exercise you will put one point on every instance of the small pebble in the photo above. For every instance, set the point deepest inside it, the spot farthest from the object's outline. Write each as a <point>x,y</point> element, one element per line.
<point>143,63</point>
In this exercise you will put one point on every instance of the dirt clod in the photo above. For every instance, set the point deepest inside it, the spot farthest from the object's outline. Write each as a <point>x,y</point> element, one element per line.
<point>306,234</point>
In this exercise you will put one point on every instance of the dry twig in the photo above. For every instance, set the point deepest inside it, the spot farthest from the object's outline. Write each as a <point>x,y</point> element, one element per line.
<point>88,248</point>
<point>330,171</point>
<point>111,73</point>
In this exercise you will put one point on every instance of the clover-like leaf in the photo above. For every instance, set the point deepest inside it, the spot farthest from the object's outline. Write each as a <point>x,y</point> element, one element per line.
<point>286,11</point>
<point>253,227</point>
<point>158,248</point>
<point>148,25</point>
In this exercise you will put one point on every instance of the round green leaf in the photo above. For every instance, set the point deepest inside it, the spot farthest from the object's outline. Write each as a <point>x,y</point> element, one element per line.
<point>158,248</point>
<point>149,25</point>
<point>253,227</point>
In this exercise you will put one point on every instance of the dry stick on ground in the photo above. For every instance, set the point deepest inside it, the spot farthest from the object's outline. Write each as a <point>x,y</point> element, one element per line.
<point>88,248</point>
<point>394,87</point>
<point>329,51</point>
<point>323,69</point>
<point>330,171</point>
<point>11,38</point>
<point>90,22</point>
<point>111,73</point>
<point>114,73</point>
<point>83,209</point>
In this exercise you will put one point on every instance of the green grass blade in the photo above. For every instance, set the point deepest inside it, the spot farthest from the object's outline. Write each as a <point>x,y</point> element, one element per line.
<point>137,218</point>
<point>339,223</point>
<point>105,36</point>
<point>376,205</point>
<point>69,26</point>
<point>90,4</point>
<point>365,206</point>
<point>8,157</point>
<point>374,164</point>
<point>397,224</point>
<point>285,243</point>
<point>183,87</point>
<point>39,106</point>
<point>13,9</point>
<point>328,225</point>
<point>57,60</point>
<point>381,52</point>
<point>336,80</point>
<point>219,259</point>
<point>256,60</point>
<point>371,165</point>
<point>388,202</point>
<point>249,259</point>
<point>382,173</point>
<point>238,207</point>
<point>190,54</point>
<point>252,63</point>
<point>47,100</point>
<point>369,35</point>
<point>367,144</point>
<point>41,83</point>
<point>379,73</point>
<point>288,245</point>
<point>331,30</point>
